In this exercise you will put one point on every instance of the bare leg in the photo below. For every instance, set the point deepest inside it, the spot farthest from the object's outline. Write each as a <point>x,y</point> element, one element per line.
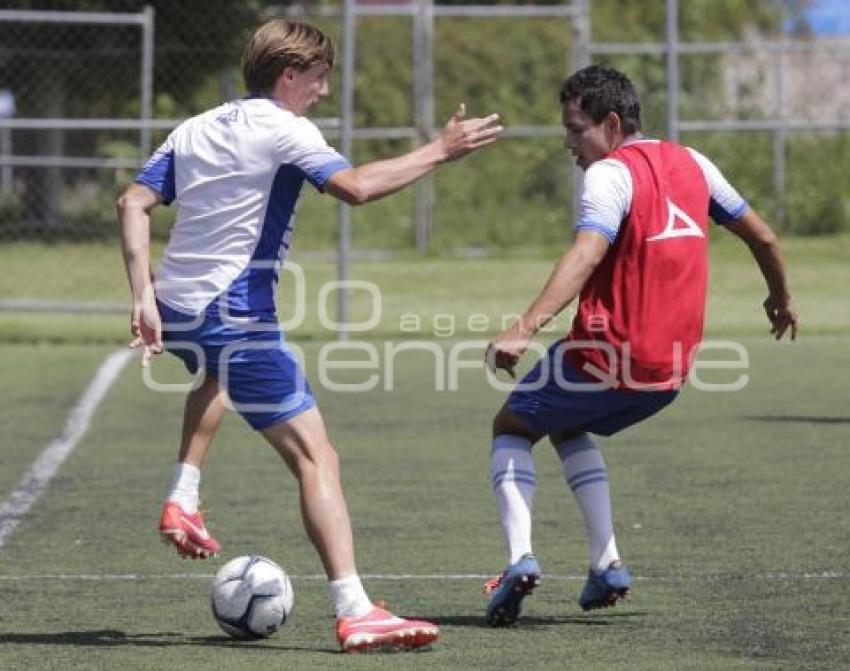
<point>506,422</point>
<point>181,524</point>
<point>304,445</point>
<point>201,418</point>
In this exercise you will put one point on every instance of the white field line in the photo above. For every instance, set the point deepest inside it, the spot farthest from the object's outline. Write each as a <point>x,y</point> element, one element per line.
<point>129,577</point>
<point>33,484</point>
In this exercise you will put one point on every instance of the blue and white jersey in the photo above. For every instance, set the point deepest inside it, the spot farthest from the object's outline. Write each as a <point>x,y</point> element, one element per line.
<point>607,196</point>
<point>235,174</point>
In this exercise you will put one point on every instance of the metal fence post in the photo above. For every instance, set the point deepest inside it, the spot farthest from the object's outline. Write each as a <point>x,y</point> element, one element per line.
<point>423,110</point>
<point>673,70</point>
<point>7,111</point>
<point>780,140</point>
<point>581,33</point>
<point>146,108</point>
<point>581,58</point>
<point>345,141</point>
<point>6,174</point>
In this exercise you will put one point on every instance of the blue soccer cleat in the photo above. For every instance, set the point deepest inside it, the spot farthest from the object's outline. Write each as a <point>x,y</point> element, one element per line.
<point>509,589</point>
<point>605,588</point>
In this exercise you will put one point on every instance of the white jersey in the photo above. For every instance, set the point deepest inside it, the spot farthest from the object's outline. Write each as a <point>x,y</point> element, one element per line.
<point>235,174</point>
<point>607,196</point>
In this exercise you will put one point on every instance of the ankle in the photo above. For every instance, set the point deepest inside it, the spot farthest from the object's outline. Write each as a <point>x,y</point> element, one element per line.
<point>349,597</point>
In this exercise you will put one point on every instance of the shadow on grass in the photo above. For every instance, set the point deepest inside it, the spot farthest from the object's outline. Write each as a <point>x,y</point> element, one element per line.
<point>535,621</point>
<point>116,638</point>
<point>798,419</point>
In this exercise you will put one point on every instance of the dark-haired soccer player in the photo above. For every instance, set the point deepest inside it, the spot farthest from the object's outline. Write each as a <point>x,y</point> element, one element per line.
<point>639,267</point>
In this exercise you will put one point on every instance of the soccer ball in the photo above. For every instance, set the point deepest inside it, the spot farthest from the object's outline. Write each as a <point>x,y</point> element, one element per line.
<point>251,597</point>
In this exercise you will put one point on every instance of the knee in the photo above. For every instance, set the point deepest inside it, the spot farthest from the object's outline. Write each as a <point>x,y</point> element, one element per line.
<point>505,422</point>
<point>318,466</point>
<point>309,456</point>
<point>496,426</point>
<point>500,424</point>
<point>322,456</point>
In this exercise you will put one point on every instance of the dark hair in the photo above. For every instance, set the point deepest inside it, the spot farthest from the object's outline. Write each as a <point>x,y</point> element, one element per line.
<point>598,90</point>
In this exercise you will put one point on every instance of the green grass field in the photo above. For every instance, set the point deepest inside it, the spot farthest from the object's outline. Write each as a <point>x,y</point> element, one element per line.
<point>731,507</point>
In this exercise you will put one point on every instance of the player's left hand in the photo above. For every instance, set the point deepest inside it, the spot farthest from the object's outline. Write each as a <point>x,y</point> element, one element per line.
<point>505,351</point>
<point>461,136</point>
<point>782,315</point>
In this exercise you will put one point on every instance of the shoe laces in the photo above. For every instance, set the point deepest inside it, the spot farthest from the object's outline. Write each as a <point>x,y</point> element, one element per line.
<point>493,584</point>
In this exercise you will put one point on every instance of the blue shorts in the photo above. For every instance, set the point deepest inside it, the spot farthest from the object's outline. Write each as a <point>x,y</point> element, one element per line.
<point>248,356</point>
<point>554,397</point>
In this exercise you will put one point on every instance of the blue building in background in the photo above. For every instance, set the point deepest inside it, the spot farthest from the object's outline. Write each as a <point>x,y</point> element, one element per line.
<point>820,17</point>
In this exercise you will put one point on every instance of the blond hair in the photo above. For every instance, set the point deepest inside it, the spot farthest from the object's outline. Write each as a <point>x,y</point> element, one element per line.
<point>279,44</point>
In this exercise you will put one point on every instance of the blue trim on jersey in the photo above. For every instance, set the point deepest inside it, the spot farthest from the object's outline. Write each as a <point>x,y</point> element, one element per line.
<point>158,175</point>
<point>599,228</point>
<point>284,193</point>
<point>254,289</point>
<point>319,175</point>
<point>721,215</point>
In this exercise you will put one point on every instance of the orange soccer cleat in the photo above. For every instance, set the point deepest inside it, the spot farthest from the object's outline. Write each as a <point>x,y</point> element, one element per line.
<point>381,630</point>
<point>186,532</point>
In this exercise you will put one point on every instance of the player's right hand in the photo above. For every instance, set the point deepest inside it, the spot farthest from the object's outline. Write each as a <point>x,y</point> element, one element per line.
<point>505,351</point>
<point>782,315</point>
<point>497,358</point>
<point>461,136</point>
<point>146,327</point>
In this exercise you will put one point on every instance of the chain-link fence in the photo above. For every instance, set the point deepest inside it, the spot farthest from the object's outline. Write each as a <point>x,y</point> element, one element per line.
<point>84,97</point>
<point>59,72</point>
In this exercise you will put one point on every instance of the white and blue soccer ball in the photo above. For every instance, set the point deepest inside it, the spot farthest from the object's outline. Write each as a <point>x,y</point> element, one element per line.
<point>251,597</point>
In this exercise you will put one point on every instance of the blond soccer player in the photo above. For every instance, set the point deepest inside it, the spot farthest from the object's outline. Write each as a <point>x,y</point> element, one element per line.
<point>235,174</point>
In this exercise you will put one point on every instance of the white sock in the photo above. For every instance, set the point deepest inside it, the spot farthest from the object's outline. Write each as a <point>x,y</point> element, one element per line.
<point>349,597</point>
<point>587,476</point>
<point>513,478</point>
<point>184,487</point>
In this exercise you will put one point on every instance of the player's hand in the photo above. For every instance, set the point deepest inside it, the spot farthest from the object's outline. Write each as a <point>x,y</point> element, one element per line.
<point>782,316</point>
<point>505,351</point>
<point>146,327</point>
<point>460,135</point>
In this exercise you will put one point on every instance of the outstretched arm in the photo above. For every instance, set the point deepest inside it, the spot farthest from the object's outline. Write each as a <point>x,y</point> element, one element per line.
<point>134,208</point>
<point>375,180</point>
<point>564,284</point>
<point>764,246</point>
